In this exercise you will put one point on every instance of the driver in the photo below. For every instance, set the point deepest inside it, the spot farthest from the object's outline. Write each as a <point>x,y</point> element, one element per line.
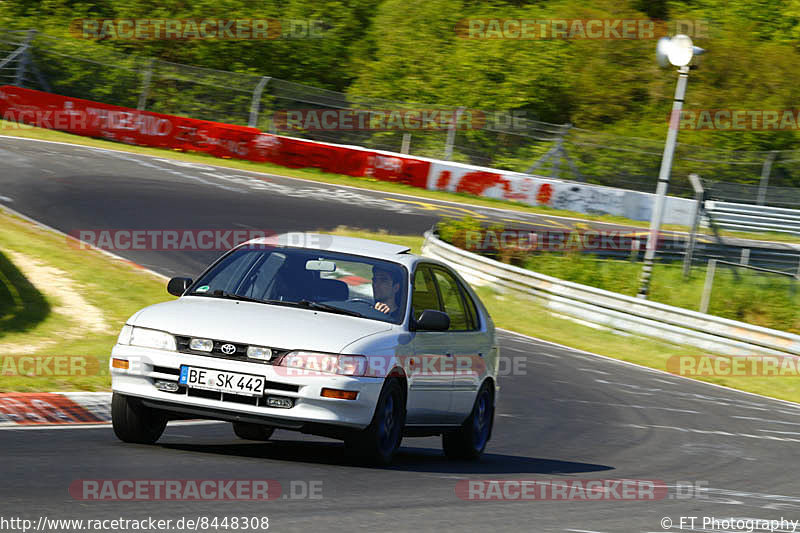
<point>385,289</point>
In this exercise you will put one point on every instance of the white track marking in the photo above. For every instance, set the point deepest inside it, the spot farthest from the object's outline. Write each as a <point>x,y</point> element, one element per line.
<point>106,425</point>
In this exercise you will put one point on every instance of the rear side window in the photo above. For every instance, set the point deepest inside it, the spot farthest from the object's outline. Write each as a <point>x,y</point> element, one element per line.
<point>472,312</point>
<point>453,301</point>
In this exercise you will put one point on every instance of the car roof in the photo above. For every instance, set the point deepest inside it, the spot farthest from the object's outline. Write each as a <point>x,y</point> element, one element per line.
<point>337,243</point>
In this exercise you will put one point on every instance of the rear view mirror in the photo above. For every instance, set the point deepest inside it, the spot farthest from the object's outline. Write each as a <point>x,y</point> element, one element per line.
<point>321,266</point>
<point>431,320</point>
<point>177,286</point>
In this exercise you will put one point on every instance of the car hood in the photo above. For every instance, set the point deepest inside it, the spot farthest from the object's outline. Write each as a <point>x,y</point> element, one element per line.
<point>259,324</point>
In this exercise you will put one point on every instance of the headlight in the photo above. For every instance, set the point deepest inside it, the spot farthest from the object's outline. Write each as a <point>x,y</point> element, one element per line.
<point>346,365</point>
<point>146,338</point>
<point>125,335</point>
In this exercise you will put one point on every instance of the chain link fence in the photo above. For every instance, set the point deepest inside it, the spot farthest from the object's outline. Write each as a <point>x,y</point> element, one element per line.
<point>93,71</point>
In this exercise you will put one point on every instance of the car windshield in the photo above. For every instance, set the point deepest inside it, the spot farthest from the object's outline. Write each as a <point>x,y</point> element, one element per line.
<point>313,279</point>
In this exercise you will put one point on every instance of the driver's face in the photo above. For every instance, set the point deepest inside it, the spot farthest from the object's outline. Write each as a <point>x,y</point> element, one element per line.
<point>382,287</point>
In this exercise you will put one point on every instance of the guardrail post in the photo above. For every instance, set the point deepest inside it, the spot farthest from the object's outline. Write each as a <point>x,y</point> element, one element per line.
<point>765,171</point>
<point>406,144</point>
<point>22,64</point>
<point>712,269</point>
<point>255,104</point>
<point>745,258</point>
<point>145,92</point>
<point>697,185</point>
<point>451,135</point>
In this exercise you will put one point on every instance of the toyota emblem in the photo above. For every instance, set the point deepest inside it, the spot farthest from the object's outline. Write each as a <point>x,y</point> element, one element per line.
<point>228,349</point>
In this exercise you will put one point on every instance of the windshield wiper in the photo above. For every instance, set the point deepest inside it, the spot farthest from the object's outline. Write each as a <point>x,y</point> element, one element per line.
<point>305,304</point>
<point>228,296</point>
<point>329,308</point>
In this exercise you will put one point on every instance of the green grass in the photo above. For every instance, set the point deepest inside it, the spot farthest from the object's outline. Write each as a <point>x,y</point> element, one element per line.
<point>763,299</point>
<point>117,288</point>
<point>464,200</point>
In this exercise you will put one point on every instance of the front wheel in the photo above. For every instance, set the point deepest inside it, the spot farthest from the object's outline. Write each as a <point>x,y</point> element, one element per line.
<point>381,440</point>
<point>469,441</point>
<point>135,423</point>
<point>248,431</point>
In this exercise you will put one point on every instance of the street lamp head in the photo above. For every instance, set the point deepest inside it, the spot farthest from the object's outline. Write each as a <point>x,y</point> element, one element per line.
<point>677,51</point>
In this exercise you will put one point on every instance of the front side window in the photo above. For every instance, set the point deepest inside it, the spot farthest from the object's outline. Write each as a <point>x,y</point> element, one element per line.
<point>315,279</point>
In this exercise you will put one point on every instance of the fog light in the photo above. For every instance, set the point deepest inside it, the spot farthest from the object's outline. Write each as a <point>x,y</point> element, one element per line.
<point>201,345</point>
<point>166,386</point>
<point>120,363</point>
<point>277,401</point>
<point>340,394</point>
<point>259,352</point>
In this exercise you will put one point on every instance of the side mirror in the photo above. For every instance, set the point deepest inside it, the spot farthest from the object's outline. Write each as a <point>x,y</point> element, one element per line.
<point>177,286</point>
<point>431,320</point>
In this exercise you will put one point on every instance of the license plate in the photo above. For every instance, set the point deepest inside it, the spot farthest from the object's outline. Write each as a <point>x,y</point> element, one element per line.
<point>219,380</point>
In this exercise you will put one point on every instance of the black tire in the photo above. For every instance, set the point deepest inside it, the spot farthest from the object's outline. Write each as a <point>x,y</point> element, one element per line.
<point>469,441</point>
<point>135,423</point>
<point>378,443</point>
<point>248,431</point>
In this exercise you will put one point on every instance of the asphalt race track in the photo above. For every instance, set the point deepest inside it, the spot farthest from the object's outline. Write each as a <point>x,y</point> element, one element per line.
<point>564,415</point>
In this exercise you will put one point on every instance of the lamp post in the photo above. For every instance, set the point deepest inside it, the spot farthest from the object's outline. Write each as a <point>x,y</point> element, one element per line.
<point>677,51</point>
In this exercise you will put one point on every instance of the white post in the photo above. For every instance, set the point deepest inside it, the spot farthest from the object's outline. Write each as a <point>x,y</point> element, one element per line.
<point>706,298</point>
<point>145,93</point>
<point>745,258</point>
<point>255,104</point>
<point>406,144</point>
<point>451,135</point>
<point>663,181</point>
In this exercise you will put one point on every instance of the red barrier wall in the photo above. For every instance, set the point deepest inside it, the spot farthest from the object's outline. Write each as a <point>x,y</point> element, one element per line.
<point>145,128</point>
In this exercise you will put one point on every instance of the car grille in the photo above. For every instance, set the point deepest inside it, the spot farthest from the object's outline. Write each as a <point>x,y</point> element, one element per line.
<point>239,355</point>
<point>260,401</point>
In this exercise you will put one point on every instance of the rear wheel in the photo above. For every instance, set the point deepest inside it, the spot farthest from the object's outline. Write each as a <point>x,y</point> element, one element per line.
<point>469,441</point>
<point>248,431</point>
<point>378,443</point>
<point>135,423</point>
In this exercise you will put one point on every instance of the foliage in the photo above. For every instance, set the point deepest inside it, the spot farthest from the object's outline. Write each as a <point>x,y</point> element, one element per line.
<point>410,51</point>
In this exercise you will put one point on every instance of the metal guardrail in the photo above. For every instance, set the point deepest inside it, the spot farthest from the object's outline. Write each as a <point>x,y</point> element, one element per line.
<point>618,311</point>
<point>745,217</point>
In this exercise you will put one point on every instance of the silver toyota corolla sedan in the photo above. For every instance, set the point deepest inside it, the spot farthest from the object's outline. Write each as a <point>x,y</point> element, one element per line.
<point>348,338</point>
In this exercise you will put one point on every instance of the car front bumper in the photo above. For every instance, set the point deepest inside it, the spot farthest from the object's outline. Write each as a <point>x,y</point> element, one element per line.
<point>310,408</point>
